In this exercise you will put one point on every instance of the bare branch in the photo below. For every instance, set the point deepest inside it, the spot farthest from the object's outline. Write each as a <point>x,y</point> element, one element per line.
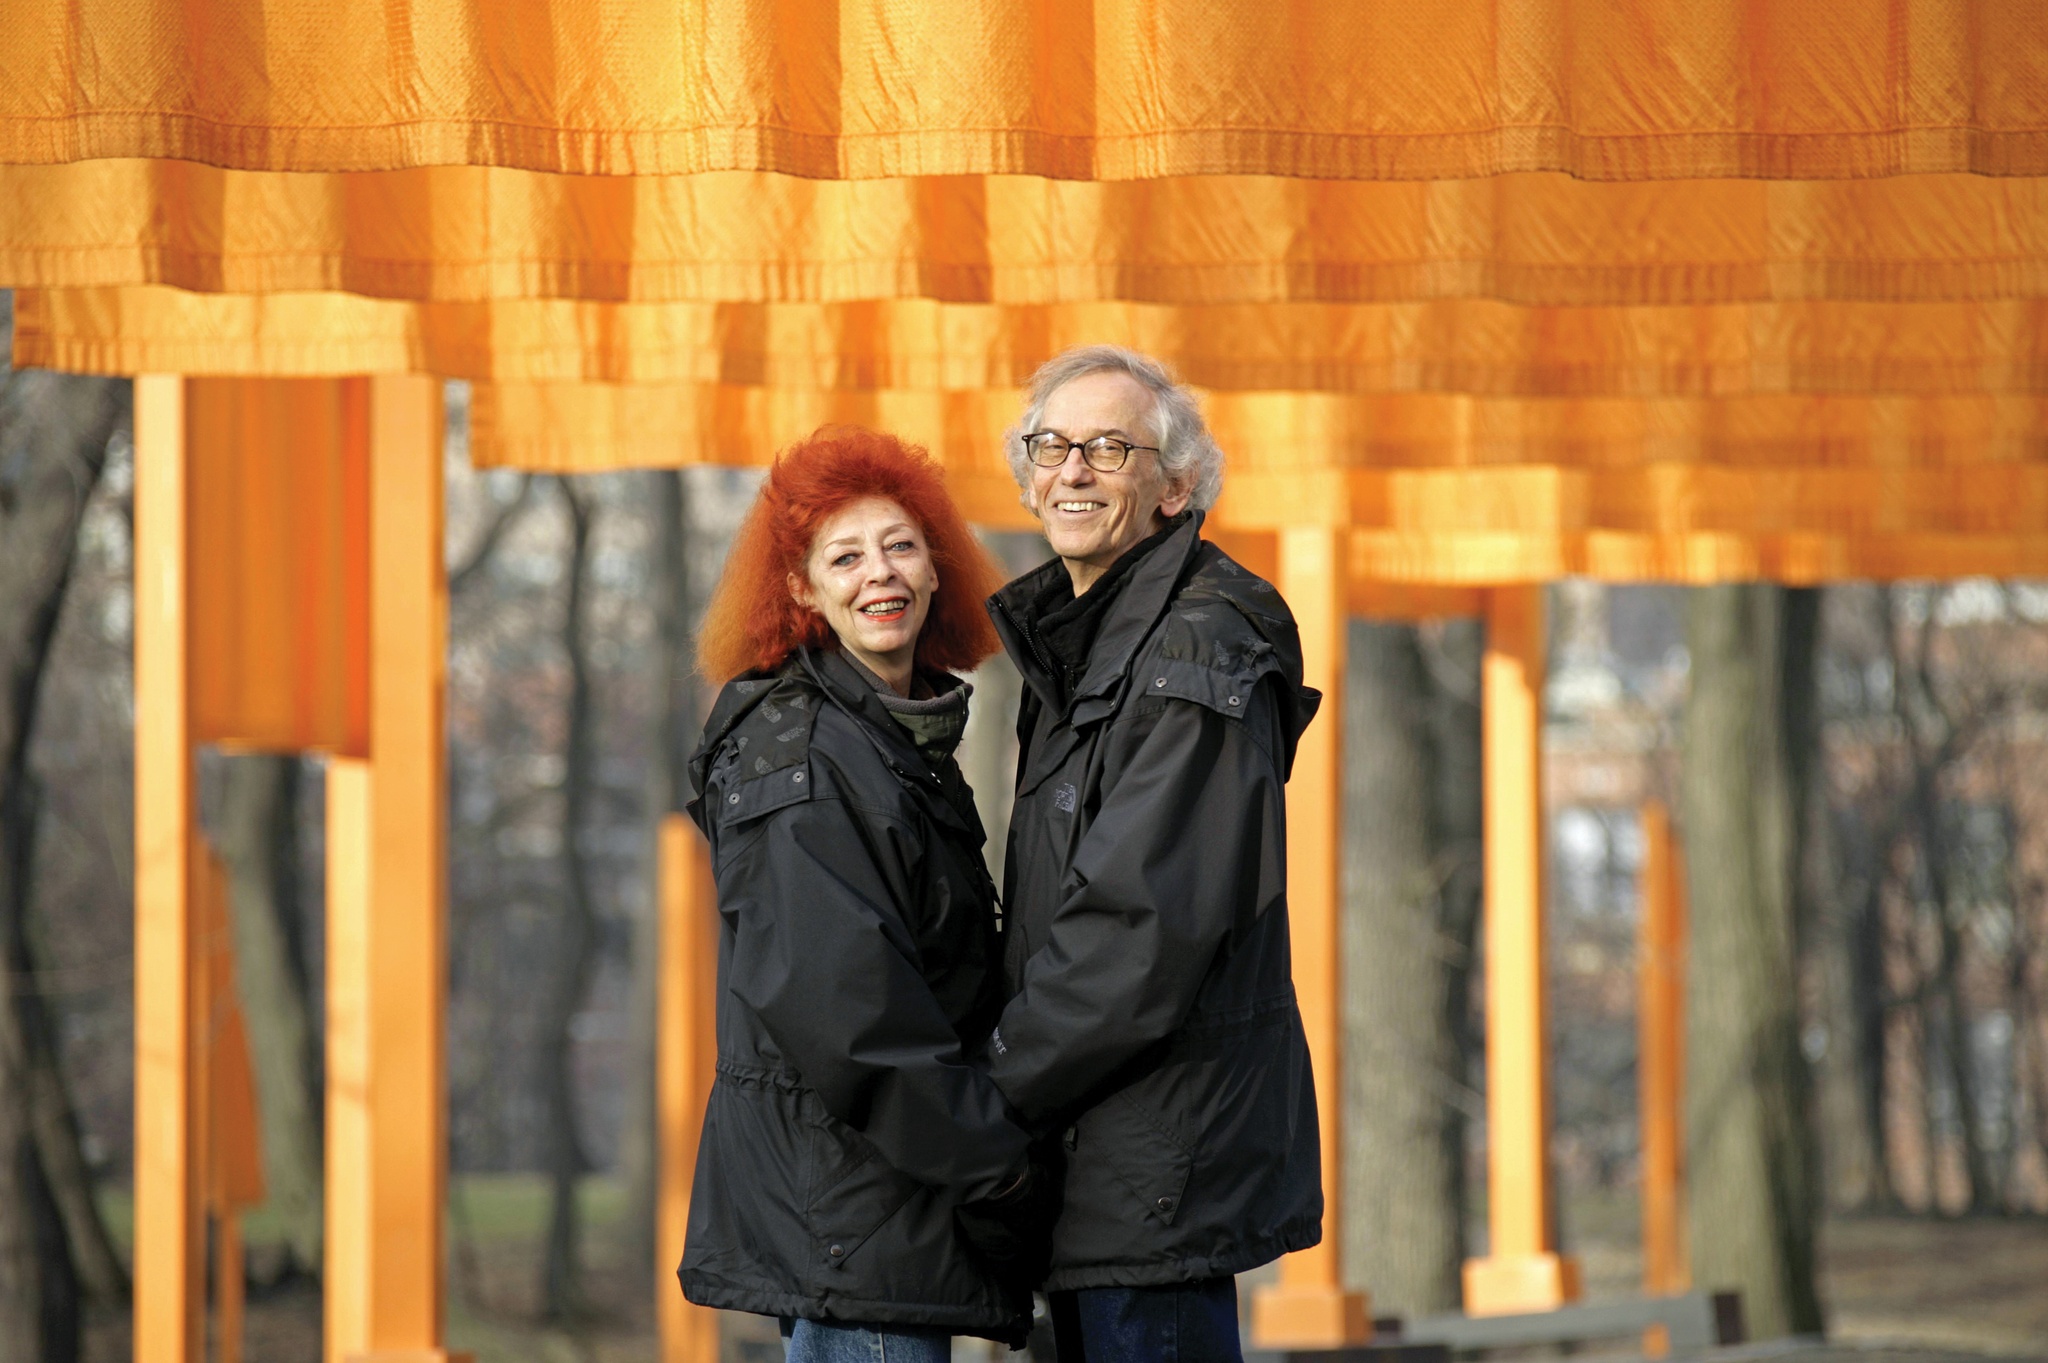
<point>466,571</point>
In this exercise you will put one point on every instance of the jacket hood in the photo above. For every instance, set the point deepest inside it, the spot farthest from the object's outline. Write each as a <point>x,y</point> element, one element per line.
<point>737,699</point>
<point>776,712</point>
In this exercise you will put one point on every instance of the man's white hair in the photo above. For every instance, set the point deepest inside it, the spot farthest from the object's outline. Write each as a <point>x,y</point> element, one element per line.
<point>1188,454</point>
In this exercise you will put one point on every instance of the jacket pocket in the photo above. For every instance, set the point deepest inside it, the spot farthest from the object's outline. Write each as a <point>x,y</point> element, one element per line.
<point>752,1165</point>
<point>854,1191</point>
<point>1122,1149</point>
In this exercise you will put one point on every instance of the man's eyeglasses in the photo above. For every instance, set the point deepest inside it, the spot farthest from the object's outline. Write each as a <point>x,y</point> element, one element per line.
<point>1104,454</point>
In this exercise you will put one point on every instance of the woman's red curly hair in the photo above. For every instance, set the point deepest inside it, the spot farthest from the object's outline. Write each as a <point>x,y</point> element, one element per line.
<point>753,622</point>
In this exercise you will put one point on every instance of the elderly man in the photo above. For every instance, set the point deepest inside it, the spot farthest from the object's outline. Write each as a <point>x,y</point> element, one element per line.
<point>1152,1031</point>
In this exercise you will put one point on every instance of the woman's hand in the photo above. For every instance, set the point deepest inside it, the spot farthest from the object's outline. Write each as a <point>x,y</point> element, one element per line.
<point>1011,1229</point>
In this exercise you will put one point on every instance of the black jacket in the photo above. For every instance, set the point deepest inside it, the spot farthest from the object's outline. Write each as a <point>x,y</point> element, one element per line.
<point>1153,1023</point>
<point>858,964</point>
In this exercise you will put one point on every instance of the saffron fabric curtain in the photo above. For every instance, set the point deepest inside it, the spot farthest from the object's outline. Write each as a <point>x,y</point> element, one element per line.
<point>1083,89</point>
<point>1641,288</point>
<point>1469,346</point>
<point>470,233</point>
<point>280,563</point>
<point>1446,489</point>
<point>584,427</point>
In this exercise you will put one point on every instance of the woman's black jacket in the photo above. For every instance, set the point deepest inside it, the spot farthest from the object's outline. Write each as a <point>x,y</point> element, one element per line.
<point>859,963</point>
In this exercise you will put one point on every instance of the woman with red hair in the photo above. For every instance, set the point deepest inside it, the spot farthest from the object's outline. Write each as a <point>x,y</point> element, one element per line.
<point>859,1176</point>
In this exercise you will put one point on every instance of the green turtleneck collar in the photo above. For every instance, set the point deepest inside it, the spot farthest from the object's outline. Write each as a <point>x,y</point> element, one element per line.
<point>935,718</point>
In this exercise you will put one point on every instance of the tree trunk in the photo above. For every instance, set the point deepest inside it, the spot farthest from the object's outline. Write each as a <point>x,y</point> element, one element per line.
<point>1849,978</point>
<point>1837,885</point>
<point>1935,744</point>
<point>258,838</point>
<point>1948,1020</point>
<point>54,431</point>
<point>1453,651</point>
<point>667,781</point>
<point>1403,996</point>
<point>1749,1146</point>
<point>576,955</point>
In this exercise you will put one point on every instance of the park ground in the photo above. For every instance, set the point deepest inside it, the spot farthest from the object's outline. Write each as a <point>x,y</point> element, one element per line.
<point>1966,1285</point>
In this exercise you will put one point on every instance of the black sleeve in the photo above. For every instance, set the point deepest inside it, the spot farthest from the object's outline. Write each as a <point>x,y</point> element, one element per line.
<point>1190,829</point>
<point>823,958</point>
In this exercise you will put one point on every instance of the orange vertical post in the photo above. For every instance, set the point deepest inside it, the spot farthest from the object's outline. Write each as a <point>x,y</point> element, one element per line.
<point>1522,1270</point>
<point>345,1271</point>
<point>1660,1062</point>
<point>385,1249</point>
<point>169,1207</point>
<point>686,1051</point>
<point>1309,1308</point>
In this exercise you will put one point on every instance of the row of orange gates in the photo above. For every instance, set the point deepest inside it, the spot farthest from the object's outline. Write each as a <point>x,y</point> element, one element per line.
<point>1481,293</point>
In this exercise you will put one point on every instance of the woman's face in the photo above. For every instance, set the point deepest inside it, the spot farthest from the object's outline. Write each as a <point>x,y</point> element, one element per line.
<point>870,574</point>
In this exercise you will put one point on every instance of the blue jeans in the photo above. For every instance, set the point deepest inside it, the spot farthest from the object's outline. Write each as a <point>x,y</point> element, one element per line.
<point>819,1341</point>
<point>1185,1323</point>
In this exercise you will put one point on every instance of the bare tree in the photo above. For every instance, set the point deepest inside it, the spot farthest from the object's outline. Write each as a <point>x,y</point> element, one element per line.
<point>1452,649</point>
<point>1747,1126</point>
<point>675,733</point>
<point>54,432</point>
<point>1411,803</point>
<point>575,956</point>
<point>1846,952</point>
<point>465,572</point>
<point>1942,722</point>
<point>1934,924</point>
<point>1853,826</point>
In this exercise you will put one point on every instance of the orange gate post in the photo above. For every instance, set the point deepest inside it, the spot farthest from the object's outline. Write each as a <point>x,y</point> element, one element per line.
<point>1522,1270</point>
<point>345,1297</point>
<point>1660,1063</point>
<point>169,1229</point>
<point>387,1171</point>
<point>686,1050</point>
<point>1310,1307</point>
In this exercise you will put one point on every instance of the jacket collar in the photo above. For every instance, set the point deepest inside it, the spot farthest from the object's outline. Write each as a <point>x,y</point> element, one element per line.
<point>1144,598</point>
<point>846,685</point>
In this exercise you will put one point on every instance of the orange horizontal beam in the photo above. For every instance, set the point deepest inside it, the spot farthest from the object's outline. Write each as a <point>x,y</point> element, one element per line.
<point>1456,346</point>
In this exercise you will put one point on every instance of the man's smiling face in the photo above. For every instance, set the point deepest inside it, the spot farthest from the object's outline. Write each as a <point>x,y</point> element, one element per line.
<point>1090,517</point>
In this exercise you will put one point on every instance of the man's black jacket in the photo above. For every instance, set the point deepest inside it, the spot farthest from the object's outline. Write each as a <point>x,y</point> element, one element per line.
<point>1153,1023</point>
<point>858,965</point>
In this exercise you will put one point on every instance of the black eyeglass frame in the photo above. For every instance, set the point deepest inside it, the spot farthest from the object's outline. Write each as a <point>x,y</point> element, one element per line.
<point>1103,442</point>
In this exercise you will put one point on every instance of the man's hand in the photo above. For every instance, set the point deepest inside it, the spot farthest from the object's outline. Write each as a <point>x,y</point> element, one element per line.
<point>1011,1229</point>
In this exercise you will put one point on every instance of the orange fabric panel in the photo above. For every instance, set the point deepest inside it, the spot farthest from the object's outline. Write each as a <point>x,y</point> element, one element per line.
<point>592,427</point>
<point>280,523</point>
<point>578,427</point>
<point>1093,89</point>
<point>1266,431</point>
<point>1499,490</point>
<point>1467,345</point>
<point>234,1126</point>
<point>463,233</point>
<point>237,1124</point>
<point>1482,559</point>
<point>1658,499</point>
